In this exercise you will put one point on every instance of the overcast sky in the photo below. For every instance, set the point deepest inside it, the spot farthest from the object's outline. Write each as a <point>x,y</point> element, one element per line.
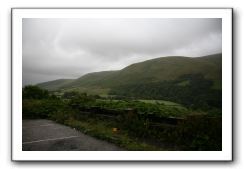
<point>70,48</point>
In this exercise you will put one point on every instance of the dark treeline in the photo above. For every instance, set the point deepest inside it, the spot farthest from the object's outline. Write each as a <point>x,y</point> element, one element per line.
<point>193,91</point>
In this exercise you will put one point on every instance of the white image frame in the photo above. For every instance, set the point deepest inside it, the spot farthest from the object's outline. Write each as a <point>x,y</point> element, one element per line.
<point>19,155</point>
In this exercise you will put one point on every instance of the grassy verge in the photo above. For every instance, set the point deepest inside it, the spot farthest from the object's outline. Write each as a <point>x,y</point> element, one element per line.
<point>104,130</point>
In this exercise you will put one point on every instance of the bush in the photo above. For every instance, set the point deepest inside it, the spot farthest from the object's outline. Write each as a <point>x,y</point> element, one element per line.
<point>196,133</point>
<point>42,108</point>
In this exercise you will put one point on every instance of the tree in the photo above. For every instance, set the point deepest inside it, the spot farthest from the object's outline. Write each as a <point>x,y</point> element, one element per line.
<point>34,92</point>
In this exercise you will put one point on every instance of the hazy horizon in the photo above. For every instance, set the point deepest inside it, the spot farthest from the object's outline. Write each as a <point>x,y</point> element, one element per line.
<point>69,48</point>
<point>114,70</point>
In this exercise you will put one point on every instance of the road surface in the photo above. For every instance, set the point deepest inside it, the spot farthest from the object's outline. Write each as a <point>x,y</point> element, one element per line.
<point>46,135</point>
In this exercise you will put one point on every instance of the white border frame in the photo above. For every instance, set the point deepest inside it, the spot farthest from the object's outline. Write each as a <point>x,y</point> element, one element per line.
<point>19,155</point>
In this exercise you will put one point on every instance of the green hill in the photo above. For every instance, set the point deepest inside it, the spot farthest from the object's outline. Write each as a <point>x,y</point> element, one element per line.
<point>150,71</point>
<point>170,68</point>
<point>55,84</point>
<point>193,82</point>
<point>97,79</point>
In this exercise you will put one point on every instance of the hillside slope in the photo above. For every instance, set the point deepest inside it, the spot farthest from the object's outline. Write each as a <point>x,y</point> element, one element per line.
<point>150,71</point>
<point>55,84</point>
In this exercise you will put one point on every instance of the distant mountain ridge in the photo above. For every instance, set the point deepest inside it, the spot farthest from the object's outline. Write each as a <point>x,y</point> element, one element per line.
<point>54,84</point>
<point>149,71</point>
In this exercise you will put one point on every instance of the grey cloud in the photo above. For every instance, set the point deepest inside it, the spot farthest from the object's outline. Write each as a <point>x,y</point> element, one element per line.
<point>69,48</point>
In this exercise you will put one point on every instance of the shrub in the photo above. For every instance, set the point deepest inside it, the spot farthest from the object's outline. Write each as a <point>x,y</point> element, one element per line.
<point>42,108</point>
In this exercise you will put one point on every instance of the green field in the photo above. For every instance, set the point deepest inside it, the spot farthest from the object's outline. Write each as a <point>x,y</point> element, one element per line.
<point>166,103</point>
<point>88,90</point>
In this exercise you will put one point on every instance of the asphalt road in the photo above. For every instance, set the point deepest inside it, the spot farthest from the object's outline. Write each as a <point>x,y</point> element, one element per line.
<point>46,135</point>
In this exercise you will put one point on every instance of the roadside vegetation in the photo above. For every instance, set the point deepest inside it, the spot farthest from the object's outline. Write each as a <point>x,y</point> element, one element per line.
<point>133,124</point>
